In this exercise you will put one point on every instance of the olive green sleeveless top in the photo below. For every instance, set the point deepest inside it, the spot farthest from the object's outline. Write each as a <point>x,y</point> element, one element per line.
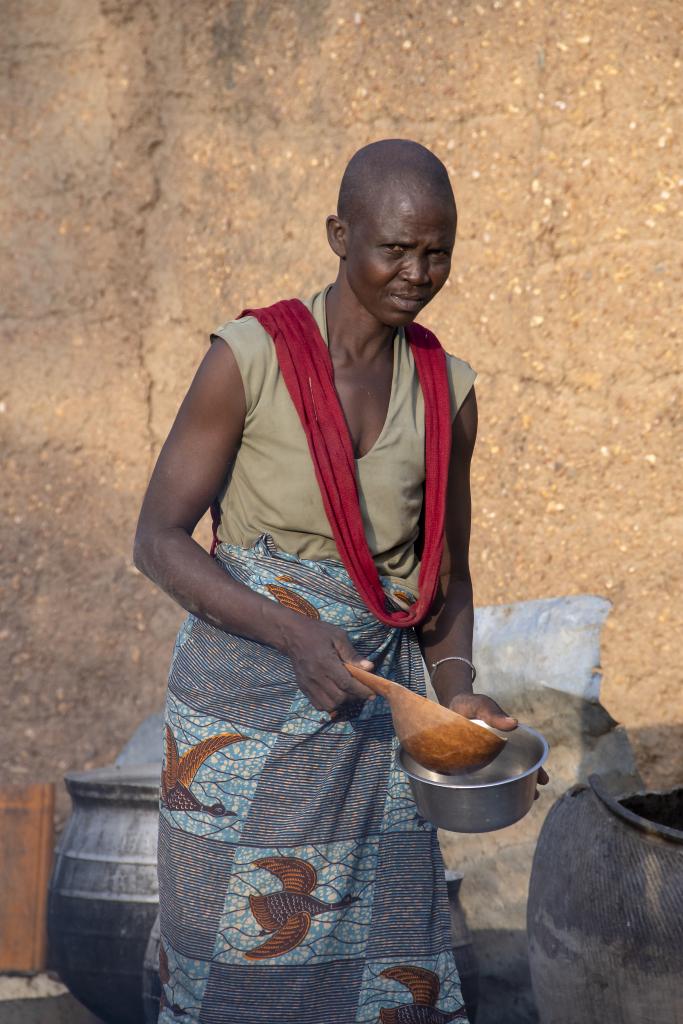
<point>272,487</point>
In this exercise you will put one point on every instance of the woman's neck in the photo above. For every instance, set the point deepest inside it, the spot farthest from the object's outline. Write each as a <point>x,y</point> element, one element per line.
<point>352,332</point>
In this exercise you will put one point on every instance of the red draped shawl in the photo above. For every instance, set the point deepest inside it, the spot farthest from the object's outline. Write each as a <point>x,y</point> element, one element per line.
<point>307,371</point>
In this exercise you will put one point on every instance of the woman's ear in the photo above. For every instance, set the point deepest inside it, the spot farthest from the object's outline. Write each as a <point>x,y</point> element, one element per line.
<point>337,235</point>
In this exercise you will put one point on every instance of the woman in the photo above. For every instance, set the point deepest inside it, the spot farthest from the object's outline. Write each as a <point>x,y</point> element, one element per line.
<point>297,883</point>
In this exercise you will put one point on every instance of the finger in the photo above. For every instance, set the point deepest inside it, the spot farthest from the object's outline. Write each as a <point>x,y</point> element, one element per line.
<point>478,705</point>
<point>493,714</point>
<point>501,721</point>
<point>334,691</point>
<point>318,702</point>
<point>324,695</point>
<point>347,680</point>
<point>543,777</point>
<point>350,687</point>
<point>347,652</point>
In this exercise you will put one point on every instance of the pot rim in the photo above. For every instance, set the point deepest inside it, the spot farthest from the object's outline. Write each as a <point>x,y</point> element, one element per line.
<point>482,785</point>
<point>651,828</point>
<point>126,784</point>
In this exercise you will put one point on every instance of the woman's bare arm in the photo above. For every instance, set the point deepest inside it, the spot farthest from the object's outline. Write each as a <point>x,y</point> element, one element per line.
<point>189,473</point>
<point>450,626</point>
<point>448,630</point>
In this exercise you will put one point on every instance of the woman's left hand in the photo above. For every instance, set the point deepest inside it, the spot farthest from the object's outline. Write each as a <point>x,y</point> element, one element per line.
<point>478,705</point>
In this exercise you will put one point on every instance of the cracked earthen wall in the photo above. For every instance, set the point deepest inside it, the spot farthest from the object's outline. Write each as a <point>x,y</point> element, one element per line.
<point>167,164</point>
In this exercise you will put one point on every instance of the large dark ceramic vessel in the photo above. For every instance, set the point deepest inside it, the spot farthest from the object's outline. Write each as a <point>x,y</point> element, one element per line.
<point>605,910</point>
<point>103,893</point>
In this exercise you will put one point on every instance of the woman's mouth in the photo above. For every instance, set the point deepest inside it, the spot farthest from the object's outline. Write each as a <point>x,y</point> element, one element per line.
<point>409,303</point>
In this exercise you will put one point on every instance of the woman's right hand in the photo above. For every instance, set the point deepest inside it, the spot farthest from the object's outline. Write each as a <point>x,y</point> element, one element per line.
<point>317,651</point>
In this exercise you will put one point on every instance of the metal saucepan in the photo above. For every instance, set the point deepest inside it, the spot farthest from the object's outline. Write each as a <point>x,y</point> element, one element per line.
<point>490,798</point>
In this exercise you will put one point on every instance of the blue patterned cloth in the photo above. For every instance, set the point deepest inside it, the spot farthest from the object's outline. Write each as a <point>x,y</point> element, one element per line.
<point>297,883</point>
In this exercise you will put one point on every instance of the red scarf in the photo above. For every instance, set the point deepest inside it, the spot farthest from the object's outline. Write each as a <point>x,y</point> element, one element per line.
<point>307,371</point>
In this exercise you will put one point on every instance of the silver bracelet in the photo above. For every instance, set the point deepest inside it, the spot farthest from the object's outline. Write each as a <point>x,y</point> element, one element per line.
<point>454,657</point>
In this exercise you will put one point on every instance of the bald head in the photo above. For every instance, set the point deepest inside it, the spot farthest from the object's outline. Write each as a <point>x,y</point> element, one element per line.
<point>394,231</point>
<point>390,165</point>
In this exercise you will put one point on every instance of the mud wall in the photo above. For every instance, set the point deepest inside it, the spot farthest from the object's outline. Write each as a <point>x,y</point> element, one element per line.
<point>170,163</point>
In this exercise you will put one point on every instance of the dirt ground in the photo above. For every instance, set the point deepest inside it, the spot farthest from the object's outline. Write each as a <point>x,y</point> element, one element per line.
<point>170,163</point>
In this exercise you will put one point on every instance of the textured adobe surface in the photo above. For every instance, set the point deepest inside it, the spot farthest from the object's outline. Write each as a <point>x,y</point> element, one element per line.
<point>171,163</point>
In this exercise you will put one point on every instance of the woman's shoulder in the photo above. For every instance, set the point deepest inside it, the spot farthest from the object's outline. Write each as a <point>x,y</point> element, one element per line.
<point>245,335</point>
<point>461,377</point>
<point>253,350</point>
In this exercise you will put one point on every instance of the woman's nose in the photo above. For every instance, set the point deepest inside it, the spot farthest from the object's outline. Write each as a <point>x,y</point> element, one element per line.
<point>416,270</point>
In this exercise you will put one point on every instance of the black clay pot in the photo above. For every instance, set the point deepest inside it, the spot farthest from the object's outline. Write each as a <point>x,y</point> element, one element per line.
<point>605,910</point>
<point>103,892</point>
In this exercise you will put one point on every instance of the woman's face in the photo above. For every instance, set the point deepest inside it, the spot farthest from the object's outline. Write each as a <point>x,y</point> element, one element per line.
<point>398,252</point>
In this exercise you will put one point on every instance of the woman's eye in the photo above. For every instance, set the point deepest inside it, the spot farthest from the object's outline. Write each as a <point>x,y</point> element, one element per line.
<point>395,250</point>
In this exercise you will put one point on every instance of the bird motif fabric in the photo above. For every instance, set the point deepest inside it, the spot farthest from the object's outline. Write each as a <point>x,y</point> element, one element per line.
<point>424,987</point>
<point>165,979</point>
<point>178,772</point>
<point>288,913</point>
<point>292,600</point>
<point>296,880</point>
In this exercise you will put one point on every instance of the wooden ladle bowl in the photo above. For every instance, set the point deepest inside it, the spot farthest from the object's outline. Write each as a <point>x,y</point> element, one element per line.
<point>436,737</point>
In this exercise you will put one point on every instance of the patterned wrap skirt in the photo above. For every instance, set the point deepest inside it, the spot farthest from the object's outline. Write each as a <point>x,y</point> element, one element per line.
<point>298,885</point>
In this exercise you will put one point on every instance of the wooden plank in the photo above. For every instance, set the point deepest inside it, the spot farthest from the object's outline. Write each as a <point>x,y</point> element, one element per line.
<point>26,853</point>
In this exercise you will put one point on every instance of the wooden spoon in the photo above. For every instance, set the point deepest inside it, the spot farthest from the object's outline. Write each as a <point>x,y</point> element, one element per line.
<point>434,736</point>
